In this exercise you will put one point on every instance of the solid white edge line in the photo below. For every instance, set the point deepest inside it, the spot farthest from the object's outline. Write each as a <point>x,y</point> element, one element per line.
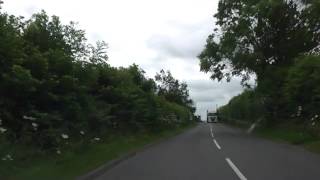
<point>235,169</point>
<point>218,146</point>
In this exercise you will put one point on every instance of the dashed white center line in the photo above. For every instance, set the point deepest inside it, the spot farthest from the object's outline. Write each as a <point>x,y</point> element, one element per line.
<point>215,142</point>
<point>235,169</point>
<point>233,166</point>
<point>211,131</point>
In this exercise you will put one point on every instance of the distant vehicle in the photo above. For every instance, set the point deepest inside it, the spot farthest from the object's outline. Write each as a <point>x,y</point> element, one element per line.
<point>212,117</point>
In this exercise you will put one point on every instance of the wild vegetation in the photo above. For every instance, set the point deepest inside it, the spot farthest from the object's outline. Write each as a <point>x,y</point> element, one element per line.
<point>276,42</point>
<point>56,90</point>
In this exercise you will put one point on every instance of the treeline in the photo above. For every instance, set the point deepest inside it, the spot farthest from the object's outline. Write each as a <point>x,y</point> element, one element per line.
<point>245,107</point>
<point>300,98</point>
<point>278,43</point>
<point>56,86</point>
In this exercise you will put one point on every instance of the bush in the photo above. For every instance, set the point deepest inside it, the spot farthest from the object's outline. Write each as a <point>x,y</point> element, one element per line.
<point>303,86</point>
<point>245,107</point>
<point>53,82</point>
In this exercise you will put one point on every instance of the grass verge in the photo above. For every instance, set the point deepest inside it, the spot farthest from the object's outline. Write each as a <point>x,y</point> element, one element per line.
<point>81,159</point>
<point>287,133</point>
<point>291,135</point>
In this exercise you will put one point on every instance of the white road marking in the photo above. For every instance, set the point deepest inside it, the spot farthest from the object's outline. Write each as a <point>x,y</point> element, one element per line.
<point>211,131</point>
<point>235,169</point>
<point>218,146</point>
<point>251,128</point>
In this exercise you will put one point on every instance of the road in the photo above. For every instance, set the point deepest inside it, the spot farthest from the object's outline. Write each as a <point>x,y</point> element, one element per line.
<point>216,151</point>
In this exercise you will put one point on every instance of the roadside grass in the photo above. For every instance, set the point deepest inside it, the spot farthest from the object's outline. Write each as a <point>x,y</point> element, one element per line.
<point>313,146</point>
<point>78,159</point>
<point>287,133</point>
<point>292,135</point>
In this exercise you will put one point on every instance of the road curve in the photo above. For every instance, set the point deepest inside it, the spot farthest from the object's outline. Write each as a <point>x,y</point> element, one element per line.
<point>216,151</point>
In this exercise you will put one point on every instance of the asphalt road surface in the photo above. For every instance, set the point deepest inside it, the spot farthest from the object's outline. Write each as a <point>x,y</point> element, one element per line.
<point>218,152</point>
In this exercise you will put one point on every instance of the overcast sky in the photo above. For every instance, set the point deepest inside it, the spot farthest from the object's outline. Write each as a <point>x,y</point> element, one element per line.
<point>155,34</point>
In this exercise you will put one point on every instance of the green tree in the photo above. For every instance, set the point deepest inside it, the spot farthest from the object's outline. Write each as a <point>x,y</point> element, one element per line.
<point>246,107</point>
<point>172,89</point>
<point>53,82</point>
<point>261,38</point>
<point>303,85</point>
<point>254,36</point>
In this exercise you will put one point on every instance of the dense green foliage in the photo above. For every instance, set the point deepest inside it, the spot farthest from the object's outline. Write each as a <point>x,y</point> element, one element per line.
<point>244,107</point>
<point>276,42</point>
<point>259,36</point>
<point>301,98</point>
<point>302,87</point>
<point>55,87</point>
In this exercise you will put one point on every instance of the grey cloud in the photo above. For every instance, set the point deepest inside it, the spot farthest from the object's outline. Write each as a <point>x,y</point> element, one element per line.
<point>208,87</point>
<point>207,93</point>
<point>207,98</point>
<point>173,47</point>
<point>187,43</point>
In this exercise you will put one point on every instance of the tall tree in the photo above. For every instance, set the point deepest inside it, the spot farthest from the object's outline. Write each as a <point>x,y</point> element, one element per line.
<point>261,38</point>
<point>172,89</point>
<point>256,36</point>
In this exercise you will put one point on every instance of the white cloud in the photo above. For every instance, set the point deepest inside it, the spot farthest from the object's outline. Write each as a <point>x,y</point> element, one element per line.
<point>158,34</point>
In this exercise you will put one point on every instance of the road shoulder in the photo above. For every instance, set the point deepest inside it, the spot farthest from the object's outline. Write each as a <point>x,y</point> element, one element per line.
<point>110,164</point>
